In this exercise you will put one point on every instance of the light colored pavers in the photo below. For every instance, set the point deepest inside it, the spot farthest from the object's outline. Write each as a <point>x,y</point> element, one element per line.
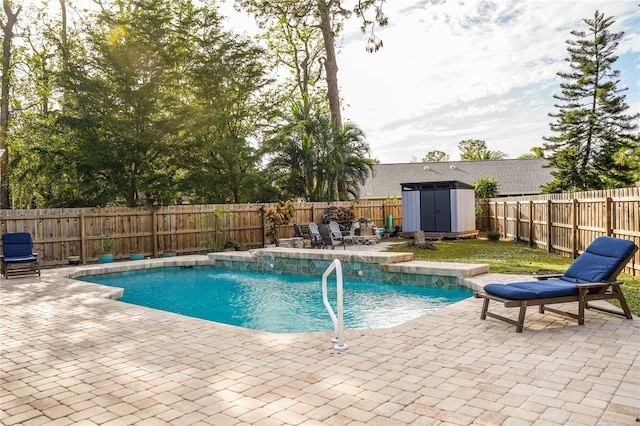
<point>70,355</point>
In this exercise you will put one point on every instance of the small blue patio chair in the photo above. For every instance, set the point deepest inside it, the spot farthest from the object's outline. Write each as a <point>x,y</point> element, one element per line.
<point>17,256</point>
<point>592,276</point>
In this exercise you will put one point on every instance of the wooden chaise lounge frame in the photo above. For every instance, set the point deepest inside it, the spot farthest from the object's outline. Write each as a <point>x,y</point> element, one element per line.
<point>587,292</point>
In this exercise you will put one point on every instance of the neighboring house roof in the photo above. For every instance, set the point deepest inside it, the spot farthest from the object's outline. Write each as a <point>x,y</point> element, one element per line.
<point>515,177</point>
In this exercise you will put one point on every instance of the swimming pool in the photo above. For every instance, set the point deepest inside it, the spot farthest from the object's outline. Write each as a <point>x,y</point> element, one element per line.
<point>273,302</point>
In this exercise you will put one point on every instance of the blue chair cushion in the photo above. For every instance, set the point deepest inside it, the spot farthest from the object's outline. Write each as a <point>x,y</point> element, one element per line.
<point>16,244</point>
<point>529,290</point>
<point>20,259</point>
<point>599,261</point>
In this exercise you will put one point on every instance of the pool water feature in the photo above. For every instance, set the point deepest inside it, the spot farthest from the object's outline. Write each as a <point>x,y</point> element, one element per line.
<point>275,303</point>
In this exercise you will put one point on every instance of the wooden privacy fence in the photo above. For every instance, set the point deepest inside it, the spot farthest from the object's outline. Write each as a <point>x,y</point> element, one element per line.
<point>567,223</point>
<point>61,233</point>
<point>560,223</point>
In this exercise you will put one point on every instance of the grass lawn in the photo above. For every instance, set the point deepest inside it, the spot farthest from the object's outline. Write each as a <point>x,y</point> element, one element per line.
<point>508,257</point>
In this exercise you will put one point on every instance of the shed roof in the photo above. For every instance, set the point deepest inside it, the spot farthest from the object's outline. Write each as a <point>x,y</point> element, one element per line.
<point>515,177</point>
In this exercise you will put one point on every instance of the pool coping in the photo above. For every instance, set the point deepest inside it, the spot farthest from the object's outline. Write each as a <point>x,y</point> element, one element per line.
<point>397,262</point>
<point>401,263</point>
<point>294,253</point>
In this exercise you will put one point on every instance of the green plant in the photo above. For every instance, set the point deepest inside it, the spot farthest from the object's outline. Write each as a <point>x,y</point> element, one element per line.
<point>485,187</point>
<point>213,232</point>
<point>232,244</point>
<point>105,245</point>
<point>494,235</point>
<point>279,215</point>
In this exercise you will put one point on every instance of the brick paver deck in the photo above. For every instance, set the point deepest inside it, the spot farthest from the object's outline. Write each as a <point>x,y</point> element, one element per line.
<point>69,355</point>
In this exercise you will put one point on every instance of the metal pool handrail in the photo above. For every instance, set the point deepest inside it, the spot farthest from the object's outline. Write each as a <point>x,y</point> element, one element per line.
<point>338,323</point>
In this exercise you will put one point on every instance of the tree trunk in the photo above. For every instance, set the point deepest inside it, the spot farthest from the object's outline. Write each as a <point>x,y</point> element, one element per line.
<point>65,47</point>
<point>4,101</point>
<point>330,64</point>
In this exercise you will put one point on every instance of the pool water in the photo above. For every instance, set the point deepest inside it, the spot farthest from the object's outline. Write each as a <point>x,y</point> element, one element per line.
<point>272,302</point>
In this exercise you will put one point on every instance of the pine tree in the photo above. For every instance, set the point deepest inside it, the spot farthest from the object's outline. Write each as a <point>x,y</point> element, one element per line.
<point>591,124</point>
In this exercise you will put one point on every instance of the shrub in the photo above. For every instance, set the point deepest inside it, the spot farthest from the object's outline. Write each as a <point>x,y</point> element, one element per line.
<point>279,215</point>
<point>494,235</point>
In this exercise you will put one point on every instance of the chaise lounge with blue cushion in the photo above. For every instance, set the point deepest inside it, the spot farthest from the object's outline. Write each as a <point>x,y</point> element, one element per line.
<point>17,256</point>
<point>590,277</point>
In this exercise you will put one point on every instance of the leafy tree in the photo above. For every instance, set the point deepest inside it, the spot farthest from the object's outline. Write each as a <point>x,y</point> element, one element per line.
<point>297,44</point>
<point>628,158</point>
<point>476,150</point>
<point>157,105</point>
<point>226,75</point>
<point>41,172</point>
<point>485,188</point>
<point>123,103</point>
<point>326,16</point>
<point>435,156</point>
<point>535,152</point>
<point>592,128</point>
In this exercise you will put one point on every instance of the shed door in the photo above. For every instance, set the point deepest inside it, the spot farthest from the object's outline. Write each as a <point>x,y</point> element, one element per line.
<point>435,210</point>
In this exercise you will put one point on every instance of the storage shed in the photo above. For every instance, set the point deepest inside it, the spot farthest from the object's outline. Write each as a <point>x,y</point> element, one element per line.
<point>446,208</point>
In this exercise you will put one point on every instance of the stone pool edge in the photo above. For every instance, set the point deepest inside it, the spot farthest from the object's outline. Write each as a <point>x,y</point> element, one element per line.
<point>394,266</point>
<point>401,264</point>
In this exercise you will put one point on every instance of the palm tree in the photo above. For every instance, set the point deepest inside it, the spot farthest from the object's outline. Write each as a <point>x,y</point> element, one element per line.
<point>351,163</point>
<point>315,164</point>
<point>489,155</point>
<point>295,155</point>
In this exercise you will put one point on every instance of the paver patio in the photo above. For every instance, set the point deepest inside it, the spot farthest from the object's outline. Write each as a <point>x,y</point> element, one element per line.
<point>70,355</point>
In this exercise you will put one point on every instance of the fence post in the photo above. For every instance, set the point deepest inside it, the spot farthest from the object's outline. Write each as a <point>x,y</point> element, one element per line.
<point>487,208</point>
<point>517,221</point>
<point>384,216</point>
<point>574,226</point>
<point>549,227</point>
<point>530,223</point>
<point>504,218</point>
<point>83,236</point>
<point>154,232</point>
<point>608,207</point>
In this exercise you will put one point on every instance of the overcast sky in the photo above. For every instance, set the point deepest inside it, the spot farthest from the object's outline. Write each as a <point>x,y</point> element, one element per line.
<point>455,70</point>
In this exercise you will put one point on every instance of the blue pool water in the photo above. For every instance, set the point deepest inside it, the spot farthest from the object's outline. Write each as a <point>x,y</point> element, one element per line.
<point>275,303</point>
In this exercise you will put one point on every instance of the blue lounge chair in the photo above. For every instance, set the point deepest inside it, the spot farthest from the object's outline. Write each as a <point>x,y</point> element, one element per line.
<point>591,277</point>
<point>18,257</point>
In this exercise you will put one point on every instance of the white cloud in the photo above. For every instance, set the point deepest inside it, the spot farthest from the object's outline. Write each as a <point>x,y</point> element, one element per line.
<point>457,70</point>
